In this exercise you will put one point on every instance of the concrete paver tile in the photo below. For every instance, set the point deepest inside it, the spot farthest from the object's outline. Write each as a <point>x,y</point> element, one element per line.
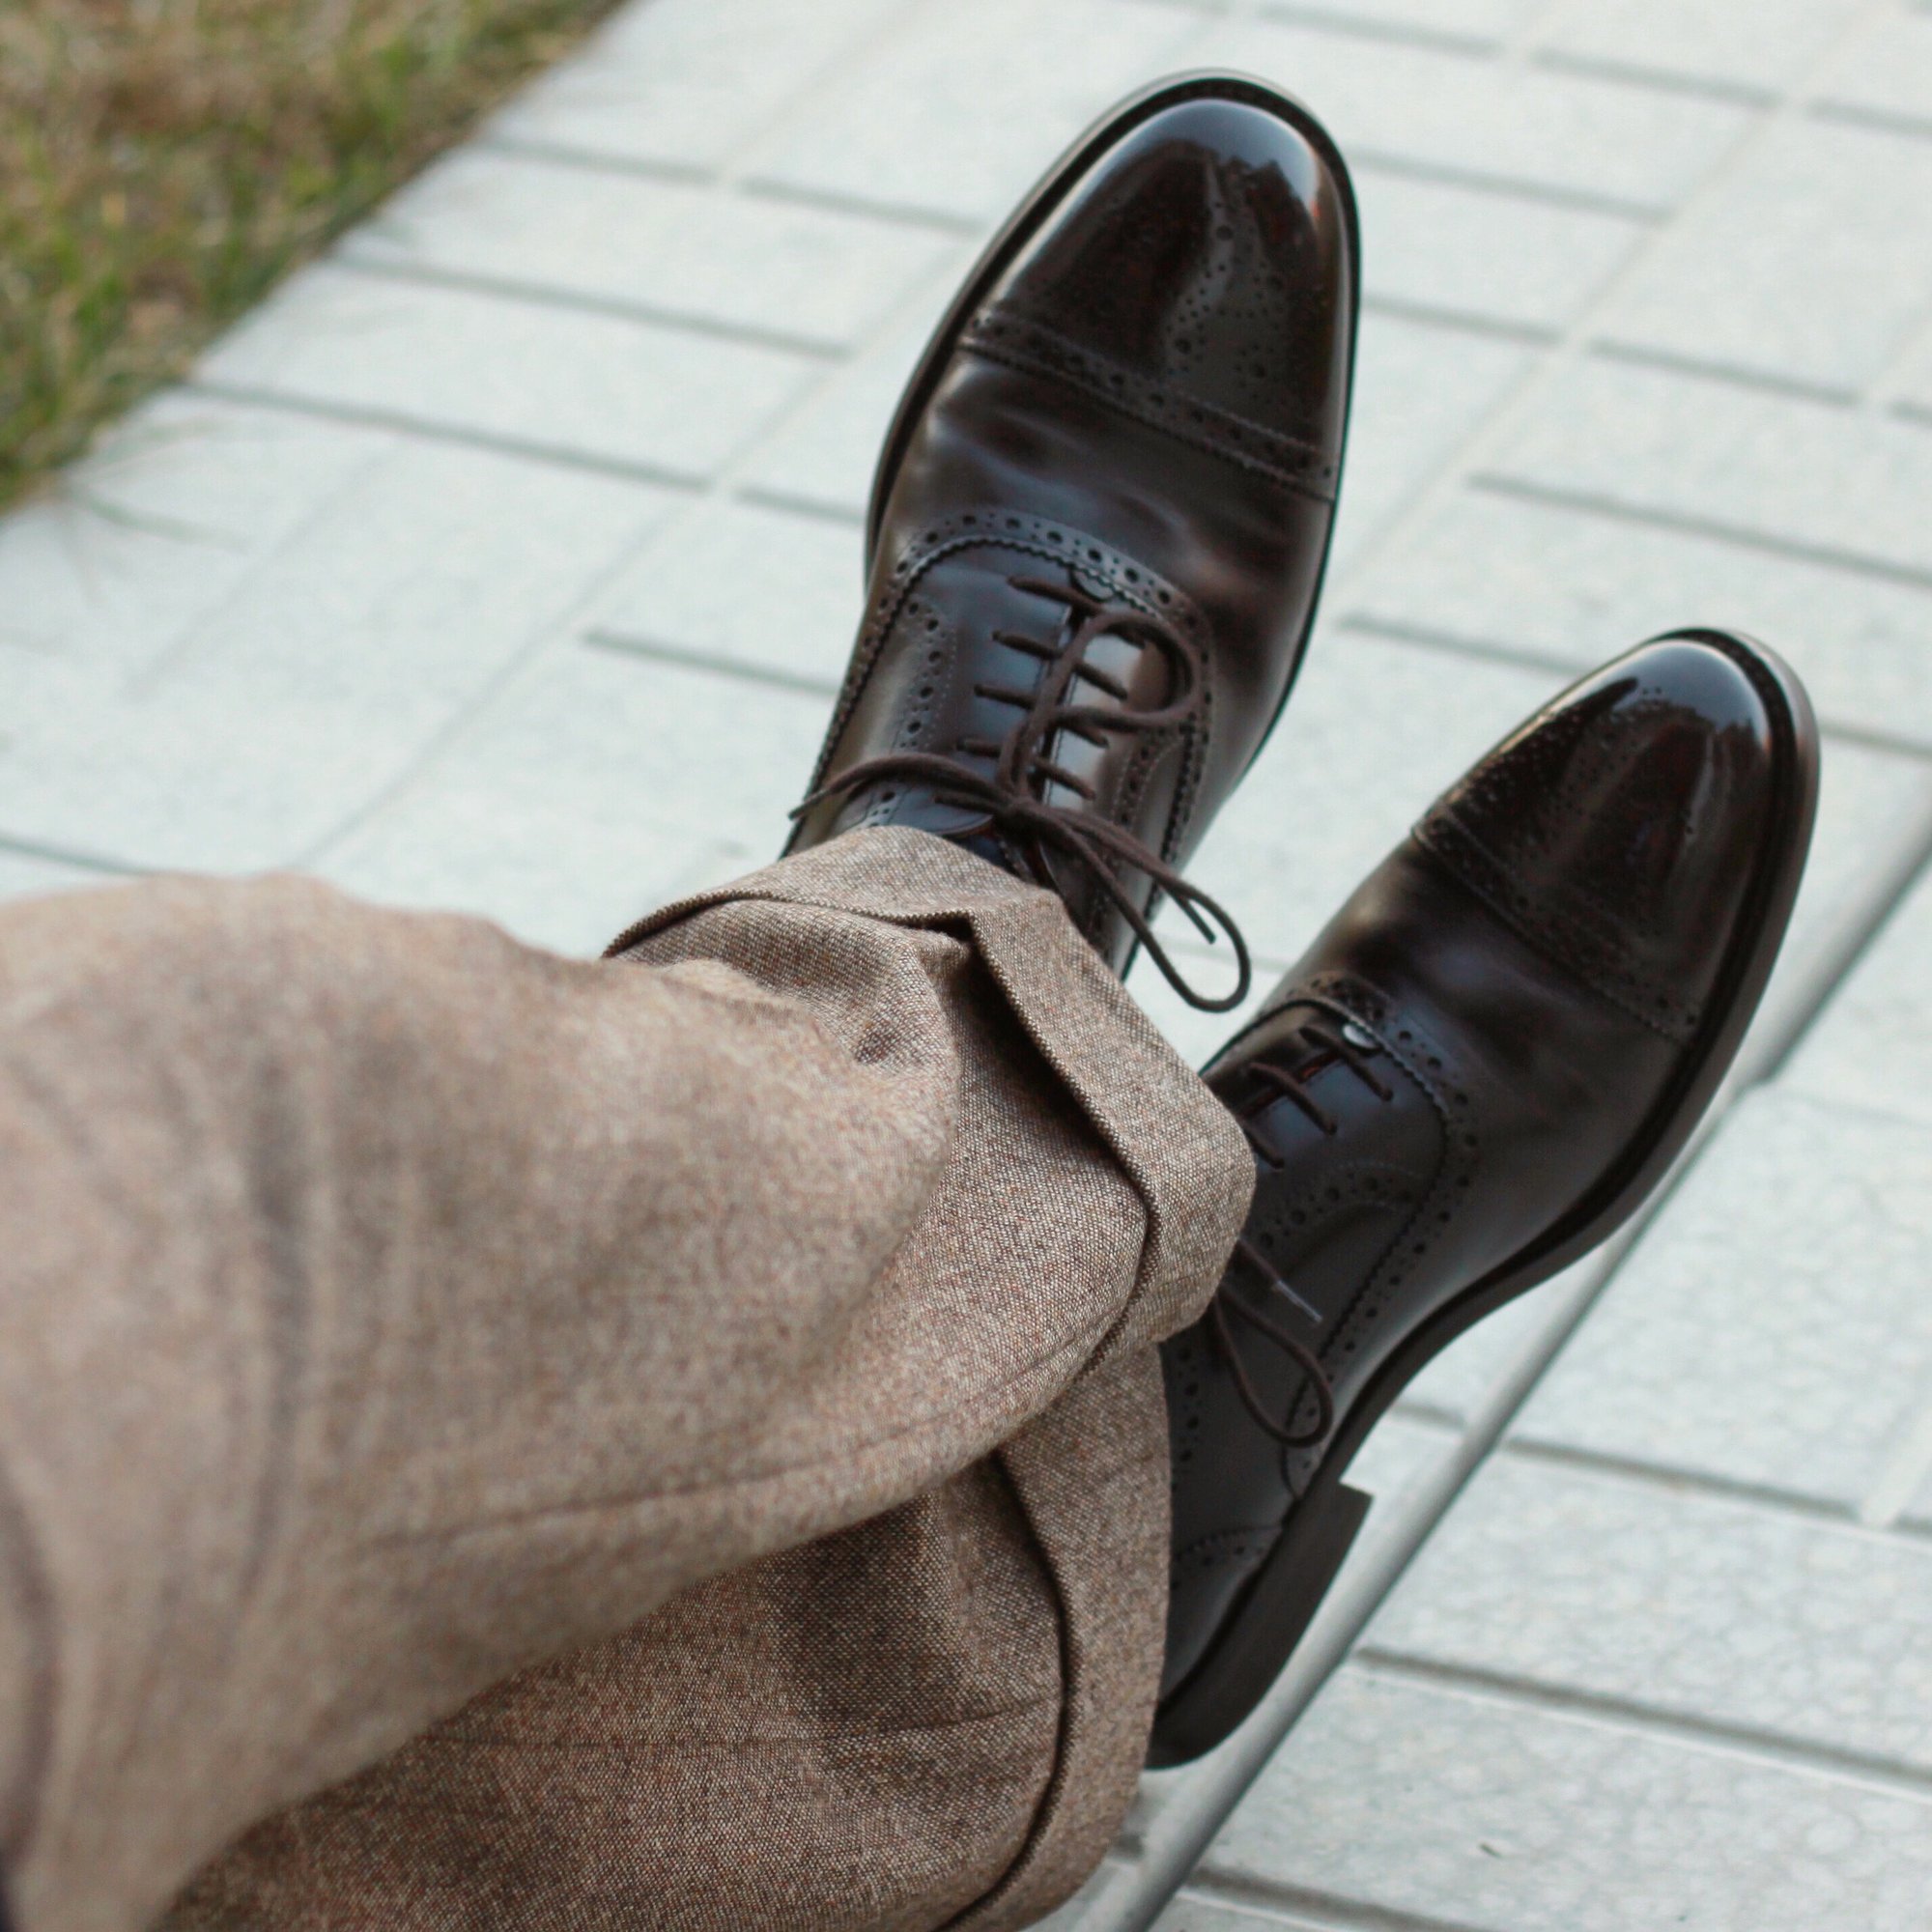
<point>1912,384</point>
<point>1699,1607</point>
<point>1772,1327</point>
<point>1470,1369</point>
<point>956,112</point>
<point>327,668</point>
<point>1872,1045</point>
<point>1885,69</point>
<point>598,386</point>
<point>826,456</point>
<point>1598,139</point>
<point>1815,478</point>
<point>589,789</point>
<point>1768,45</point>
<point>1439,1808</point>
<point>1521,575</point>
<point>177,505</point>
<point>1811,261</point>
<point>1420,390</point>
<point>669,82</point>
<point>1439,246</point>
<point>741,584</point>
<point>703,254</point>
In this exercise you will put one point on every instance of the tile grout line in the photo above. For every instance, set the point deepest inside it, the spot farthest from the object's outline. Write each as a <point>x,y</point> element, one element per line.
<point>1906,1470</point>
<point>1576,344</point>
<point>1745,1744</point>
<point>348,259</point>
<point>1368,623</point>
<point>1290,1906</point>
<point>805,99</point>
<point>580,627</point>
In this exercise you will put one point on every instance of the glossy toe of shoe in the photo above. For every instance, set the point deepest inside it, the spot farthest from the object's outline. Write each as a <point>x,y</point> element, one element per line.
<point>1211,254</point>
<point>1477,1073</point>
<point>1622,830</point>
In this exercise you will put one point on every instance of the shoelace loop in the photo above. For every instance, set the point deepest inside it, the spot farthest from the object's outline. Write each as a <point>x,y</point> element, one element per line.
<point>1011,795</point>
<point>1284,1083</point>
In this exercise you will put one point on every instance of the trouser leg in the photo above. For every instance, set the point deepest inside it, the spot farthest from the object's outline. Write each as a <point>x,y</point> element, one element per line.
<point>388,1307</point>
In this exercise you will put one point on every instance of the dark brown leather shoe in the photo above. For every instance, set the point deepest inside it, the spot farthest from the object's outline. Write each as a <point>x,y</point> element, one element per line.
<point>1100,520</point>
<point>1480,1068</point>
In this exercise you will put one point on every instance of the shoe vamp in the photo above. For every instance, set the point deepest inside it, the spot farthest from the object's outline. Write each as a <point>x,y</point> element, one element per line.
<point>1544,1086</point>
<point>1247,552</point>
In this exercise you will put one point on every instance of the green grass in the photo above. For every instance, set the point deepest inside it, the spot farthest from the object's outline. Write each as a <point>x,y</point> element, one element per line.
<point>163,162</point>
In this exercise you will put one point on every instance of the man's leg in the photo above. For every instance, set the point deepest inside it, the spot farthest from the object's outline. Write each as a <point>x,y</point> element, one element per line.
<point>385,1307</point>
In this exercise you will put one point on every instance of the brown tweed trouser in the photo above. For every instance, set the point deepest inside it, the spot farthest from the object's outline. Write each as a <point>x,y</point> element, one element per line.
<point>673,1442</point>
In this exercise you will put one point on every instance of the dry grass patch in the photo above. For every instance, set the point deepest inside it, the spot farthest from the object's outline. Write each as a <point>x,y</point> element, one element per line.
<point>162,162</point>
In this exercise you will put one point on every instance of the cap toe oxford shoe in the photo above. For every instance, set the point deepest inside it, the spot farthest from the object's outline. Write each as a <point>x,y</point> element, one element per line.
<point>1100,519</point>
<point>1478,1072</point>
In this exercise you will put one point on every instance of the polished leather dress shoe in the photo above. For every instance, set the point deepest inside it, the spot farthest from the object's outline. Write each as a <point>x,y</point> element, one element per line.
<point>1481,1068</point>
<point>1100,519</point>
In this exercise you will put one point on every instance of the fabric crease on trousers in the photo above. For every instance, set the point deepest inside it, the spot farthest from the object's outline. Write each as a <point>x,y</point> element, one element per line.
<point>489,1439</point>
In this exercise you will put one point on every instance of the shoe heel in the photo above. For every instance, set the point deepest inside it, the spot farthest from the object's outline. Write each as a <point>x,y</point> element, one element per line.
<point>1264,1631</point>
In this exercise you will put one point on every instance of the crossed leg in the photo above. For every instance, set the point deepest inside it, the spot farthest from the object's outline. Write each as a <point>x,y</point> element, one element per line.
<point>749,1342</point>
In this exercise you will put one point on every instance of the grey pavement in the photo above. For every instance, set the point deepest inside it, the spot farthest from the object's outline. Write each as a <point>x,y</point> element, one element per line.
<point>506,560</point>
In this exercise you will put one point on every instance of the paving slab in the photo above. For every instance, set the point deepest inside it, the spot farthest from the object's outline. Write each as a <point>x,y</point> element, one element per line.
<point>1408,1806</point>
<point>324,672</point>
<point>1446,246</point>
<point>1421,391</point>
<point>1477,25</point>
<point>1815,202</point>
<point>1771,1331</point>
<point>956,113</point>
<point>664,402</point>
<point>824,457</point>
<point>744,587</point>
<point>1872,1047</point>
<point>1799,477</point>
<point>1736,1619</point>
<point>1764,47</point>
<point>1587,139</point>
<point>174,509</point>
<point>1512,573</point>
<point>698,253</point>
<point>669,84</point>
<point>1884,70</point>
<point>24,876</point>
<point>592,787</point>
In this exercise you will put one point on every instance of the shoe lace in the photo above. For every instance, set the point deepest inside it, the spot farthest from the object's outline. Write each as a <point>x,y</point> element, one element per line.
<point>1284,1083</point>
<point>1011,795</point>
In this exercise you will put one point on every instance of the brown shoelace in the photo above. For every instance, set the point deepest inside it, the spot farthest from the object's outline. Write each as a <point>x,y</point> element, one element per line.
<point>1281,1084</point>
<point>1009,795</point>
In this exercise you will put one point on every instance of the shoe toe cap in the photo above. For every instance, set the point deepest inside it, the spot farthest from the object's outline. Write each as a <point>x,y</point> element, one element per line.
<point>1623,827</point>
<point>1212,249</point>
